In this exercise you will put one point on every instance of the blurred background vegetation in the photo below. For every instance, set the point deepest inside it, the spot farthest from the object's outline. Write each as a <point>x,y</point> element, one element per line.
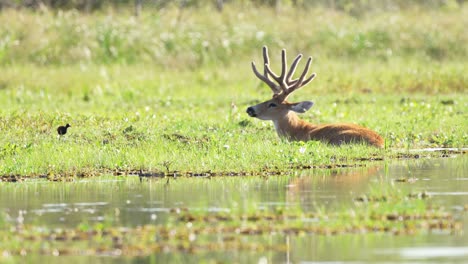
<point>191,33</point>
<point>344,5</point>
<point>429,36</point>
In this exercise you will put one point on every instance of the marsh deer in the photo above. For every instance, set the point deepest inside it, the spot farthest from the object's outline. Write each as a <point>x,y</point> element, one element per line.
<point>283,113</point>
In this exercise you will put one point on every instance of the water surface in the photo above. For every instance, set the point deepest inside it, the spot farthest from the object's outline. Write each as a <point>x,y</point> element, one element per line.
<point>129,201</point>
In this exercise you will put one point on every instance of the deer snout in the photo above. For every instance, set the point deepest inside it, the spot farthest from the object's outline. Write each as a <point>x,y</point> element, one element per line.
<point>251,112</point>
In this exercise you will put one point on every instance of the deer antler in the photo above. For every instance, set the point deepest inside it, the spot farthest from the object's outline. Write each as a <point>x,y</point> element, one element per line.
<point>285,85</point>
<point>276,89</point>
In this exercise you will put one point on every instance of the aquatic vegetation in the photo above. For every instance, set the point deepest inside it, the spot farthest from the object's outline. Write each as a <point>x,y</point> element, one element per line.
<point>198,231</point>
<point>196,217</point>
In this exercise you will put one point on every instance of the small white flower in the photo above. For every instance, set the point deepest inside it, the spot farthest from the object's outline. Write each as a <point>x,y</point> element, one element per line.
<point>226,146</point>
<point>302,150</point>
<point>259,35</point>
<point>192,237</point>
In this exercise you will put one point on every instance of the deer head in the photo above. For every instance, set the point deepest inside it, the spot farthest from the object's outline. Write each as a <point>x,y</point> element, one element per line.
<point>278,107</point>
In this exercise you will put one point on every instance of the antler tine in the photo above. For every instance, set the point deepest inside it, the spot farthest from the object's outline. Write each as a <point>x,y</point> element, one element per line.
<point>292,70</point>
<point>284,66</point>
<point>304,83</point>
<point>265,79</point>
<point>266,60</point>
<point>270,72</point>
<point>300,82</point>
<point>281,80</point>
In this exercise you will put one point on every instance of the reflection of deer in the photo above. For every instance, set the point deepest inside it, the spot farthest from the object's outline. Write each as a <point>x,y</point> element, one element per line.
<point>303,189</point>
<point>283,113</point>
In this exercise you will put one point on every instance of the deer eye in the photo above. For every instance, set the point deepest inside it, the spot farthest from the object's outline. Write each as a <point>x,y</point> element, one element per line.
<point>272,105</point>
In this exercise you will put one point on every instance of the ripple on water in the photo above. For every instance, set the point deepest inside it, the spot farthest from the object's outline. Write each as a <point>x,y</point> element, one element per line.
<point>91,204</point>
<point>151,209</point>
<point>428,252</point>
<point>47,205</point>
<point>448,193</point>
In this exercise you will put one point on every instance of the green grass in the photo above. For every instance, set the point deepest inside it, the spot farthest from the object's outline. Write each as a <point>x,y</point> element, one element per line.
<point>157,94</point>
<point>130,120</point>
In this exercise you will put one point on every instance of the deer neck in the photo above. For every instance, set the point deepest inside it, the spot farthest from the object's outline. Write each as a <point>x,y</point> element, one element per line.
<point>290,126</point>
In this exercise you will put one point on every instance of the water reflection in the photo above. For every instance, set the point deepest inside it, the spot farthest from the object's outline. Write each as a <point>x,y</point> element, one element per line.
<point>416,253</point>
<point>125,201</point>
<point>330,187</point>
<point>132,203</point>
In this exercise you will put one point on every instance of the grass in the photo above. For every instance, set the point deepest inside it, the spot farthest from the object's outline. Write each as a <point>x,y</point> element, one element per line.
<point>138,121</point>
<point>162,95</point>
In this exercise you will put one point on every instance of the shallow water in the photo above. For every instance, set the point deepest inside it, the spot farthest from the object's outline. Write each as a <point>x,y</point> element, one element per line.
<point>127,201</point>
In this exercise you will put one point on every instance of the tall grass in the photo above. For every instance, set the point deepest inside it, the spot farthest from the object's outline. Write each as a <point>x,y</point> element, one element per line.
<point>177,39</point>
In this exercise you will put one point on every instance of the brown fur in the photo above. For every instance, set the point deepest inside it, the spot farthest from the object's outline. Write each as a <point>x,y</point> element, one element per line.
<point>293,128</point>
<point>288,125</point>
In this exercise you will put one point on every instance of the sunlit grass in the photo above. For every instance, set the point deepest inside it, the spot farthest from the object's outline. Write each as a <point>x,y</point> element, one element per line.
<point>132,118</point>
<point>162,95</point>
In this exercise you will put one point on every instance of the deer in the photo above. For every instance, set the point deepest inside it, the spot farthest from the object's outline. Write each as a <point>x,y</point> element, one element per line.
<point>287,123</point>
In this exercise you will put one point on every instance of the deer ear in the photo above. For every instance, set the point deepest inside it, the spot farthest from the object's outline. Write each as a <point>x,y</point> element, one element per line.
<point>302,107</point>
